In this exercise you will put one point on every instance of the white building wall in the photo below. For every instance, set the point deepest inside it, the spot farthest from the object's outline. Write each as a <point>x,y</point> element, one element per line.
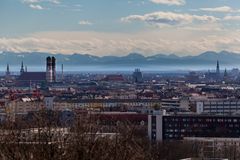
<point>159,125</point>
<point>49,102</point>
<point>199,108</point>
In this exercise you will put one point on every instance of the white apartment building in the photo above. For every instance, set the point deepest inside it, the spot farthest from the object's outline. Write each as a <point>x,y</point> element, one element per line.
<point>175,103</point>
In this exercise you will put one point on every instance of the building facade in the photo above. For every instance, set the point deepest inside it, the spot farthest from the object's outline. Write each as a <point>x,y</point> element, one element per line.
<point>177,127</point>
<point>218,106</point>
<point>21,107</point>
<point>61,104</point>
<point>175,103</point>
<point>137,76</point>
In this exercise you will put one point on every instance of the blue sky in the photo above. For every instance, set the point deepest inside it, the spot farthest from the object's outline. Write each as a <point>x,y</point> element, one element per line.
<point>118,27</point>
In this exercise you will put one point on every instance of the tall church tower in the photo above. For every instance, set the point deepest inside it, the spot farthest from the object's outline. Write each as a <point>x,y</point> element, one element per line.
<point>49,77</point>
<point>8,70</point>
<point>218,68</point>
<point>22,69</point>
<point>225,76</point>
<point>51,69</point>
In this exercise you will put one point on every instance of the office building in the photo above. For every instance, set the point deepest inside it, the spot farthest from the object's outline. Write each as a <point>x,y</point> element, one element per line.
<point>178,127</point>
<point>218,106</point>
<point>137,76</point>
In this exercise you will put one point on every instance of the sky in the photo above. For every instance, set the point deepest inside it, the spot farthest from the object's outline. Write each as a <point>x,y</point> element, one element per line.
<point>120,27</point>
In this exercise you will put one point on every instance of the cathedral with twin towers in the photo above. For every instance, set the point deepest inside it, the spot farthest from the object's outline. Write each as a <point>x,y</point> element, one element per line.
<point>26,76</point>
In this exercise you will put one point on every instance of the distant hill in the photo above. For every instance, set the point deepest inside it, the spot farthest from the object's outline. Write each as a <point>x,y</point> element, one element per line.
<point>133,59</point>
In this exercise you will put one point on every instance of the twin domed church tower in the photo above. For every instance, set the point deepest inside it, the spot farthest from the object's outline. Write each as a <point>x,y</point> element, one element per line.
<point>51,69</point>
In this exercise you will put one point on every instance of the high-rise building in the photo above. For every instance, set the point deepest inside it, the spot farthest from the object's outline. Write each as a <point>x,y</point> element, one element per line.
<point>137,76</point>
<point>177,127</point>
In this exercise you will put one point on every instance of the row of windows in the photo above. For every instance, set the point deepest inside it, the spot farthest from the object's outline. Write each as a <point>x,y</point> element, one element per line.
<point>235,120</point>
<point>177,128</point>
<point>180,136</point>
<point>107,104</point>
<point>186,125</point>
<point>222,107</point>
<point>220,103</point>
<point>173,135</point>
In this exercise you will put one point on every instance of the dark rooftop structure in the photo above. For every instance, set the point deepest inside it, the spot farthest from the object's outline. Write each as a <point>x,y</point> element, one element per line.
<point>114,77</point>
<point>33,77</point>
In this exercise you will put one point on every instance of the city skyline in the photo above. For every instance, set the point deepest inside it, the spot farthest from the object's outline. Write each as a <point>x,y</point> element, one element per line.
<point>111,27</point>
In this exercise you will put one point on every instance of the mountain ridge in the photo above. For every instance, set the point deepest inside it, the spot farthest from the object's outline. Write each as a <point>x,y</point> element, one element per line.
<point>132,59</point>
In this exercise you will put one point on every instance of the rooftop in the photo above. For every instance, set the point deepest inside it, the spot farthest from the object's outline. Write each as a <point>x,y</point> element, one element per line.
<point>32,76</point>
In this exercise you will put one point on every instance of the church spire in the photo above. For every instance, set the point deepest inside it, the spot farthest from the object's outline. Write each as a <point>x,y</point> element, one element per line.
<point>218,68</point>
<point>8,70</point>
<point>225,72</point>
<point>22,68</point>
<point>225,76</point>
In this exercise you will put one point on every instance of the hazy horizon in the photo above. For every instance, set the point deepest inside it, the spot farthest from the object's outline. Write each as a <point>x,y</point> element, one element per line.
<point>97,68</point>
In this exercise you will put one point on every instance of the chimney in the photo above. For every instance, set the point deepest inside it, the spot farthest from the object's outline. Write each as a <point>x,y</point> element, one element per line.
<point>62,72</point>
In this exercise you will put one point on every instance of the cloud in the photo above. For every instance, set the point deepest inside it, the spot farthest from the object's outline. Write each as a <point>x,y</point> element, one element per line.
<point>169,2</point>
<point>210,27</point>
<point>231,18</point>
<point>40,1</point>
<point>31,1</point>
<point>37,4</point>
<point>54,1</point>
<point>224,9</point>
<point>168,40</point>
<point>85,22</point>
<point>78,5</point>
<point>169,18</point>
<point>37,7</point>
